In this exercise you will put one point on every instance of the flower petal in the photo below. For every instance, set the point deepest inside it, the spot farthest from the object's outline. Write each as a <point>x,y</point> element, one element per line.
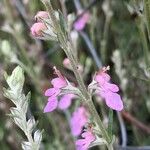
<point>105,76</point>
<point>52,91</point>
<point>58,82</point>
<point>51,105</point>
<point>65,101</point>
<point>111,87</point>
<point>113,100</point>
<point>100,79</point>
<point>81,22</point>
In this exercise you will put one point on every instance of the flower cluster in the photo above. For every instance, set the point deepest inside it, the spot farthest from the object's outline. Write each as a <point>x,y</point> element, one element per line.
<point>107,90</point>
<point>79,126</point>
<point>55,93</point>
<point>43,28</point>
<point>38,27</point>
<point>63,92</point>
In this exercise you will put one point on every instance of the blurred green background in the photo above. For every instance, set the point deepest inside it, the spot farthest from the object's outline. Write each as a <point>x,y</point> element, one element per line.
<point>120,36</point>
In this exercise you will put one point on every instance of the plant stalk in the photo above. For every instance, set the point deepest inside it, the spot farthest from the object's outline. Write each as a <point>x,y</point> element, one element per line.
<point>66,45</point>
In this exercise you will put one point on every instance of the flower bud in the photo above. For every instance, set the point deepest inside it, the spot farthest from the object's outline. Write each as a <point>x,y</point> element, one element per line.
<point>37,28</point>
<point>41,15</point>
<point>67,64</point>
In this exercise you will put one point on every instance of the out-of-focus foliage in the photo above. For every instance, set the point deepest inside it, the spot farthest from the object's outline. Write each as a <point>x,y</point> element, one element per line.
<point>121,41</point>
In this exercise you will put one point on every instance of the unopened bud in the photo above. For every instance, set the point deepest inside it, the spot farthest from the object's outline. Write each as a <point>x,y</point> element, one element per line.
<point>37,29</point>
<point>41,15</point>
<point>67,64</point>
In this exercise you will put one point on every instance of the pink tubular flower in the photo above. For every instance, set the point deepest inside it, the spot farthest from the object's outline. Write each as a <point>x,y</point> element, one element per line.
<point>78,120</point>
<point>37,29</point>
<point>108,91</point>
<point>53,94</point>
<point>41,15</point>
<point>88,138</point>
<point>82,21</point>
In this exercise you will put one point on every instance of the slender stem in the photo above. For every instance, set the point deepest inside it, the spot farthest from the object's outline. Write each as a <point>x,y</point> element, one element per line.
<point>64,10</point>
<point>110,147</point>
<point>91,49</point>
<point>123,129</point>
<point>110,124</point>
<point>98,120</point>
<point>144,41</point>
<point>66,45</point>
<point>108,16</point>
<point>87,98</point>
<point>105,38</point>
<point>77,4</point>
<point>105,34</point>
<point>147,15</point>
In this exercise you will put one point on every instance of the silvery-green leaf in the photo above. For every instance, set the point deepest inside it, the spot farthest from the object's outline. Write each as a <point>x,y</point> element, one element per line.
<point>15,112</point>
<point>21,98</point>
<point>49,35</point>
<point>18,113</point>
<point>16,80</point>
<point>63,24</point>
<point>92,85</point>
<point>69,89</point>
<point>10,95</point>
<point>5,75</point>
<point>38,136</point>
<point>98,141</point>
<point>19,123</point>
<point>24,102</point>
<point>31,124</point>
<point>26,146</point>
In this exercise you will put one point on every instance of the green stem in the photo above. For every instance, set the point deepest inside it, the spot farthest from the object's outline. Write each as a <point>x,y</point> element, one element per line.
<point>147,14</point>
<point>144,41</point>
<point>110,147</point>
<point>87,98</point>
<point>105,38</point>
<point>108,16</point>
<point>66,45</point>
<point>110,124</point>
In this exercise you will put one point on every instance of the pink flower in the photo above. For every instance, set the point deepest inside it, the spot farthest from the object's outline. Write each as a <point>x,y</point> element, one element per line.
<point>41,15</point>
<point>108,91</point>
<point>37,29</point>
<point>88,138</point>
<point>78,120</point>
<point>53,94</point>
<point>82,21</point>
<point>65,101</point>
